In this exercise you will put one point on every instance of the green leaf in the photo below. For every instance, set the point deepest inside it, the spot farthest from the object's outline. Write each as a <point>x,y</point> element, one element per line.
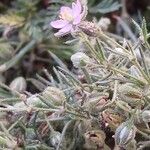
<point>105,6</point>
<point>144,29</point>
<point>58,61</point>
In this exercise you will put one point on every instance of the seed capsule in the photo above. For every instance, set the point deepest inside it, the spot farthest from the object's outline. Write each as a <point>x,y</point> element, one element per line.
<point>18,84</point>
<point>124,134</point>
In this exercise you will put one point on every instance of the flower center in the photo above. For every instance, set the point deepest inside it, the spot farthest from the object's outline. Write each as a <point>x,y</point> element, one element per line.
<point>66,16</point>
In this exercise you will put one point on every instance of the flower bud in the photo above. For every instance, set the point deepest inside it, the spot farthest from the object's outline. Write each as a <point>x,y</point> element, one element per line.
<point>55,138</point>
<point>18,84</point>
<point>30,133</point>
<point>31,101</point>
<point>79,57</point>
<point>146,116</point>
<point>125,133</point>
<point>104,23</point>
<point>90,28</point>
<point>54,94</point>
<point>35,101</point>
<point>5,50</point>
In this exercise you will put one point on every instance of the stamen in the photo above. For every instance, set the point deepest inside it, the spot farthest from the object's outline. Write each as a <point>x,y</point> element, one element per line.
<point>66,16</point>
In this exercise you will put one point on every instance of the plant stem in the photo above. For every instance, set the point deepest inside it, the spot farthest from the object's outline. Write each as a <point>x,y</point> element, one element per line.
<point>127,75</point>
<point>143,134</point>
<point>63,134</point>
<point>113,42</point>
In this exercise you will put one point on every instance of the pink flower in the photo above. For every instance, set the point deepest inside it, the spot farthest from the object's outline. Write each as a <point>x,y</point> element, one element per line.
<point>69,18</point>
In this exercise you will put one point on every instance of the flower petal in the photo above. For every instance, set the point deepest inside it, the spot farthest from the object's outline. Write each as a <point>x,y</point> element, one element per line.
<point>58,24</point>
<point>76,8</point>
<point>65,9</point>
<point>65,30</point>
<point>77,20</point>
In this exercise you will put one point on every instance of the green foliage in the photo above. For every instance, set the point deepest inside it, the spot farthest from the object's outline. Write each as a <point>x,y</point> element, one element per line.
<point>105,6</point>
<point>106,91</point>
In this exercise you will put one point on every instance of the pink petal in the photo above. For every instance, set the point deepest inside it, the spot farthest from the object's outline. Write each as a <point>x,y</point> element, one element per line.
<point>65,30</point>
<point>66,10</point>
<point>58,24</point>
<point>77,20</point>
<point>76,8</point>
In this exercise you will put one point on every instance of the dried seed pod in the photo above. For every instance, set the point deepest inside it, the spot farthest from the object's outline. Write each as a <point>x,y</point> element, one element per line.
<point>18,84</point>
<point>130,94</point>
<point>113,119</point>
<point>94,139</point>
<point>54,94</point>
<point>125,133</point>
<point>90,28</point>
<point>79,57</point>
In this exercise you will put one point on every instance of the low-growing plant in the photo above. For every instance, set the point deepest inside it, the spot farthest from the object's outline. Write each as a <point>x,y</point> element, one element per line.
<point>103,103</point>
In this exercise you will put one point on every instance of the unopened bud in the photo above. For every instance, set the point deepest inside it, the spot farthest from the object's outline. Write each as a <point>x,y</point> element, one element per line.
<point>104,23</point>
<point>18,84</point>
<point>54,94</point>
<point>55,138</point>
<point>32,101</point>
<point>125,133</point>
<point>5,50</point>
<point>30,133</point>
<point>79,57</point>
<point>146,116</point>
<point>90,28</point>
